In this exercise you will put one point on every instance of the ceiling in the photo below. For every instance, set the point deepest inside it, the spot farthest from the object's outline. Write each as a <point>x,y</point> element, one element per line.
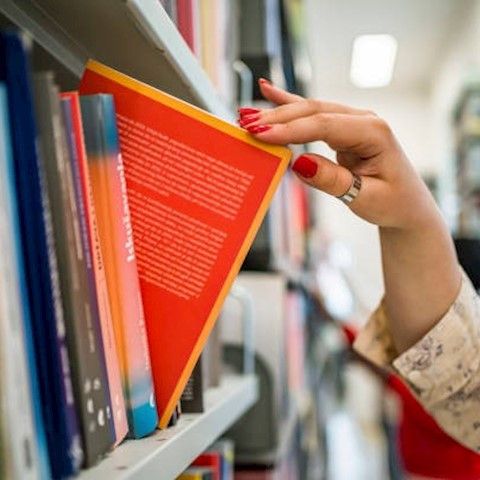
<point>422,28</point>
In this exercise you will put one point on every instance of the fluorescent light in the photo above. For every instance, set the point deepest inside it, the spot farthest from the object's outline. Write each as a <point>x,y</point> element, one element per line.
<point>373,59</point>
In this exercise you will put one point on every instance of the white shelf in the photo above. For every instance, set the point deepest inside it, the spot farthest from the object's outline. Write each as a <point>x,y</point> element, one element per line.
<point>164,455</point>
<point>134,36</point>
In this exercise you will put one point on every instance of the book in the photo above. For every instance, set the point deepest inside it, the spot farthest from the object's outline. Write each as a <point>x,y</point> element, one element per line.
<point>41,271</point>
<point>197,473</point>
<point>187,22</point>
<point>61,238</point>
<point>20,455</point>
<point>225,448</point>
<point>198,188</point>
<point>116,241</point>
<point>212,460</point>
<point>84,334</point>
<point>109,348</point>
<point>192,396</point>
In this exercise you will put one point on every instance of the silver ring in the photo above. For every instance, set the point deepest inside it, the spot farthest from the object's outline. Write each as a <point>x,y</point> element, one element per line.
<point>351,194</point>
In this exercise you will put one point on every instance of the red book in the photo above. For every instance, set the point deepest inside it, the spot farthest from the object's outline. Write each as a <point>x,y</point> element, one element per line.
<point>198,189</point>
<point>186,23</point>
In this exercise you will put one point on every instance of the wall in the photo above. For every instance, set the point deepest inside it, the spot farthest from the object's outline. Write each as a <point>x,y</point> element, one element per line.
<point>459,65</point>
<point>421,119</point>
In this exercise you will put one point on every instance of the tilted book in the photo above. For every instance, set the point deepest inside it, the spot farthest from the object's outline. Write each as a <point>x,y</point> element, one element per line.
<point>198,189</point>
<point>116,240</point>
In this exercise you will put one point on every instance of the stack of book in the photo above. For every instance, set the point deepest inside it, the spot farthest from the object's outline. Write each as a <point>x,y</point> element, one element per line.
<point>125,216</point>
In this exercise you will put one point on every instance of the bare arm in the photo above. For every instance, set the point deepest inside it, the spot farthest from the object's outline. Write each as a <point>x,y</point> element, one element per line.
<point>421,273</point>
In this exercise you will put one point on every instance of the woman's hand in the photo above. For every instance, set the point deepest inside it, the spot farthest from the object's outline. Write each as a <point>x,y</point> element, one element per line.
<point>420,267</point>
<point>392,194</point>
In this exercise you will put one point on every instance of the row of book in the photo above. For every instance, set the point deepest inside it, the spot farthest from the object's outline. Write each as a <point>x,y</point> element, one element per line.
<point>75,371</point>
<point>210,29</point>
<point>112,273</point>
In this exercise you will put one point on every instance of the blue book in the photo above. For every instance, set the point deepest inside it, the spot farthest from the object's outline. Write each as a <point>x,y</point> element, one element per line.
<point>43,292</point>
<point>26,434</point>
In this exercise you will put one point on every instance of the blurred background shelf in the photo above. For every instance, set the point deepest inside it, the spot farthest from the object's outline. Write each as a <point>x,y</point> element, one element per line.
<point>167,453</point>
<point>136,37</point>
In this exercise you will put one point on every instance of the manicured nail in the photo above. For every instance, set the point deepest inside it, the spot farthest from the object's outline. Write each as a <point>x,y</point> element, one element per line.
<point>247,111</point>
<point>248,119</point>
<point>259,128</point>
<point>305,166</point>
<point>264,81</point>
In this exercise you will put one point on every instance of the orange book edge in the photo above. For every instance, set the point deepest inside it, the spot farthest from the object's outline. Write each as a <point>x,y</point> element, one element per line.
<point>284,155</point>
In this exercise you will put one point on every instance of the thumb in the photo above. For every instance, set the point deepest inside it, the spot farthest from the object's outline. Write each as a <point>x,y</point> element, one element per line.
<point>321,173</point>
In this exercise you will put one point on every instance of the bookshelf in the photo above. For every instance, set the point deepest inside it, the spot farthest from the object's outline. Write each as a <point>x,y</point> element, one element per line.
<point>136,37</point>
<point>166,454</point>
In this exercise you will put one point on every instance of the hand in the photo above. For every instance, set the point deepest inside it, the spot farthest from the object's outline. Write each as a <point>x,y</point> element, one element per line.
<point>392,194</point>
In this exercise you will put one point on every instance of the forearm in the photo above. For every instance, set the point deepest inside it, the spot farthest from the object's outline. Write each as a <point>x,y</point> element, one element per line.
<point>421,277</point>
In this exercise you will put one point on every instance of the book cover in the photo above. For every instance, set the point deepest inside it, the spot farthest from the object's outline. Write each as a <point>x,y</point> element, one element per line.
<point>48,329</point>
<point>198,188</point>
<point>20,457</point>
<point>116,240</point>
<point>84,334</point>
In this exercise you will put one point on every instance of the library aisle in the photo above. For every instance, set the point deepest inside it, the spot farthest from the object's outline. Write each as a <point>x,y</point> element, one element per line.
<point>175,302</point>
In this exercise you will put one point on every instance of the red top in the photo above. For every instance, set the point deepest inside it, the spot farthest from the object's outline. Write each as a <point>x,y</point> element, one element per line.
<point>424,447</point>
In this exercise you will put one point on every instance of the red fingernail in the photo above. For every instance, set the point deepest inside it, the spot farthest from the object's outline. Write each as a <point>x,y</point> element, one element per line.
<point>264,81</point>
<point>259,128</point>
<point>305,166</point>
<point>247,111</point>
<point>248,119</point>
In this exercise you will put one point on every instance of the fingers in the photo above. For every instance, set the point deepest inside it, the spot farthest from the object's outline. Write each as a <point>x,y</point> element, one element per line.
<point>329,177</point>
<point>363,135</point>
<point>277,95</point>
<point>281,97</point>
<point>291,111</point>
<point>323,174</point>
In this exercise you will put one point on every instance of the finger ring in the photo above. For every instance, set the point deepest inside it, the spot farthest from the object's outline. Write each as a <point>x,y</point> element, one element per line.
<point>351,194</point>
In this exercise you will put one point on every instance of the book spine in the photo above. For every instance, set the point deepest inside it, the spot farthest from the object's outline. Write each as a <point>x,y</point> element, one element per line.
<point>85,331</point>
<point>61,244</point>
<point>192,396</point>
<point>103,299</point>
<point>116,237</point>
<point>19,436</point>
<point>40,262</point>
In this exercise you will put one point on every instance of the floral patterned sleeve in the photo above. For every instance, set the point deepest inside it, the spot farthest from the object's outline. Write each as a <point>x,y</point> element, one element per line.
<point>443,368</point>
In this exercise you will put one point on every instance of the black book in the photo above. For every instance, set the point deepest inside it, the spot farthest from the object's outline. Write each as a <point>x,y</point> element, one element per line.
<point>82,329</point>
